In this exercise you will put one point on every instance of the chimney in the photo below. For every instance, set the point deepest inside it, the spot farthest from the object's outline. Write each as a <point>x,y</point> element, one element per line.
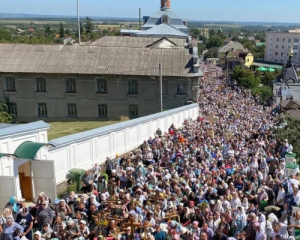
<point>165,4</point>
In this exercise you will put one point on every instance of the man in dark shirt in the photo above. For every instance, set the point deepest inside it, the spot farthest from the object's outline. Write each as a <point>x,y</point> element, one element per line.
<point>92,212</point>
<point>86,181</point>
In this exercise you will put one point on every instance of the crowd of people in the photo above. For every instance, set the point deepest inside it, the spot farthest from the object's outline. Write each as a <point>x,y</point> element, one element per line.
<point>222,176</point>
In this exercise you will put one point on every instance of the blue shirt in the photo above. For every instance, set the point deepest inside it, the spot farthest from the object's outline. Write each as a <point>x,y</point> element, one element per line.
<point>159,235</point>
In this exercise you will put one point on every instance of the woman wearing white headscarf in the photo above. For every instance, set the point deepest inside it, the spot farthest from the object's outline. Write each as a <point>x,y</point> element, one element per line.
<point>93,200</point>
<point>218,207</point>
<point>240,220</point>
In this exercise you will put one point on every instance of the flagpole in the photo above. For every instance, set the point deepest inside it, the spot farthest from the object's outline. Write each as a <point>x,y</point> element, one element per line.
<point>78,23</point>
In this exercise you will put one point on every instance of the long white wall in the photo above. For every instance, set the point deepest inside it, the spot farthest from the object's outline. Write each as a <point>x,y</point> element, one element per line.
<point>82,150</point>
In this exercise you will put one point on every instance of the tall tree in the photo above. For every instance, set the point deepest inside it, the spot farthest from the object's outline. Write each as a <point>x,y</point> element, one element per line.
<point>214,41</point>
<point>89,27</point>
<point>5,116</point>
<point>61,30</point>
<point>48,30</point>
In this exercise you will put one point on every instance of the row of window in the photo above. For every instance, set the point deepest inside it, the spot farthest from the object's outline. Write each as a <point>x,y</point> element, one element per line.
<point>296,40</point>
<point>42,110</point>
<point>132,85</point>
<point>295,47</point>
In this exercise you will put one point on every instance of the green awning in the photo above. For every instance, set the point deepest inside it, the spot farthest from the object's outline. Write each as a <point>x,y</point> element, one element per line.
<point>28,150</point>
<point>262,69</point>
<point>271,69</point>
<point>7,155</point>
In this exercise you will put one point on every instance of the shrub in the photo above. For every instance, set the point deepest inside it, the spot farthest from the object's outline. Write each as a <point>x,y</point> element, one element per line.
<point>124,118</point>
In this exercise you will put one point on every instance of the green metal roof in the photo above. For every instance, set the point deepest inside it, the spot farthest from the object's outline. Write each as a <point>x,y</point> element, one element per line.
<point>7,155</point>
<point>267,65</point>
<point>28,150</point>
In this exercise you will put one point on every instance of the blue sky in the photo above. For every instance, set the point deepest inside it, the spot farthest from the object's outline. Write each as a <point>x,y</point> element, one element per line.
<point>207,10</point>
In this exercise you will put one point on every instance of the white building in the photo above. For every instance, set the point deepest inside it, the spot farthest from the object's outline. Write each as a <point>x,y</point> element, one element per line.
<point>279,44</point>
<point>29,164</point>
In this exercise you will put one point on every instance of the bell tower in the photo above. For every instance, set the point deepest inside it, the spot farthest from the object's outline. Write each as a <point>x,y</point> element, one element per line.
<point>165,4</point>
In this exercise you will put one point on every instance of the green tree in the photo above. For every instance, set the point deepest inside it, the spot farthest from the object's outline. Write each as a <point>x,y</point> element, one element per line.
<point>264,92</point>
<point>61,30</point>
<point>48,30</point>
<point>5,116</point>
<point>268,78</point>
<point>245,77</point>
<point>89,27</point>
<point>214,42</point>
<point>211,53</point>
<point>290,131</point>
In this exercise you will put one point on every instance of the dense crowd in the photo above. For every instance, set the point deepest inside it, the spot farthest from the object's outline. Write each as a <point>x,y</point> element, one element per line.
<point>222,176</point>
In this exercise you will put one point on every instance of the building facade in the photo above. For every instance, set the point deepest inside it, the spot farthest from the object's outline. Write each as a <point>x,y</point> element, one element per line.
<point>65,83</point>
<point>279,44</point>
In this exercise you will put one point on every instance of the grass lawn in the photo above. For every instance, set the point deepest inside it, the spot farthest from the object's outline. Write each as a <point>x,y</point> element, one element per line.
<point>61,129</point>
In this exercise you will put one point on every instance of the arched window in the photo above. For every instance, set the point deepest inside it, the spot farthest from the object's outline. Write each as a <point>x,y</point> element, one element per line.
<point>165,19</point>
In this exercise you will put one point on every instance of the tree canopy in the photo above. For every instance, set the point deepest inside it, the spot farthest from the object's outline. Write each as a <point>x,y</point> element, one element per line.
<point>5,116</point>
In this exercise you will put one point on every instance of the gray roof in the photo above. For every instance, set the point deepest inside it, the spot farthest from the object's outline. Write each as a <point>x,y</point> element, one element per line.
<point>136,42</point>
<point>60,142</point>
<point>18,128</point>
<point>163,29</point>
<point>174,20</point>
<point>39,59</point>
<point>232,46</point>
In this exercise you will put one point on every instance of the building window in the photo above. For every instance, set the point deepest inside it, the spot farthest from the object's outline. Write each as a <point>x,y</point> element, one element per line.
<point>289,40</point>
<point>102,111</point>
<point>165,87</point>
<point>42,110</point>
<point>72,110</point>
<point>165,19</point>
<point>277,39</point>
<point>133,111</point>
<point>282,54</point>
<point>296,40</point>
<point>70,85</point>
<point>132,86</point>
<point>181,89</point>
<point>102,85</point>
<point>276,46</point>
<point>283,40</point>
<point>13,108</point>
<point>41,84</point>
<point>10,82</point>
<point>282,46</point>
<point>276,53</point>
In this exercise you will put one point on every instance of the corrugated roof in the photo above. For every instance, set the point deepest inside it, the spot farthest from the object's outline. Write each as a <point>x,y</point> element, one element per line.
<point>232,46</point>
<point>163,29</point>
<point>18,128</point>
<point>137,42</point>
<point>25,58</point>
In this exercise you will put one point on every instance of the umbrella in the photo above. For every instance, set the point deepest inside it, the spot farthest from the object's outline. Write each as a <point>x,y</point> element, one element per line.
<point>262,69</point>
<point>271,69</point>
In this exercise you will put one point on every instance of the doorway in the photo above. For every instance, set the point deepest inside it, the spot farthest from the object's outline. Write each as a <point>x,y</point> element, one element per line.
<point>26,181</point>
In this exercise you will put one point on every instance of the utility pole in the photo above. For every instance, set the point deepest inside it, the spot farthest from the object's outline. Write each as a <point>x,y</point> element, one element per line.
<point>78,23</point>
<point>160,84</point>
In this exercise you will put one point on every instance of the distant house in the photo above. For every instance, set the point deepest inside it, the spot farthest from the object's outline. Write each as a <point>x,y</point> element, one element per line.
<point>230,46</point>
<point>30,29</point>
<point>251,38</point>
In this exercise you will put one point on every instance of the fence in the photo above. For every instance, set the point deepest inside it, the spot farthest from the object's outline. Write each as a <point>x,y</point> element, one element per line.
<point>82,150</point>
